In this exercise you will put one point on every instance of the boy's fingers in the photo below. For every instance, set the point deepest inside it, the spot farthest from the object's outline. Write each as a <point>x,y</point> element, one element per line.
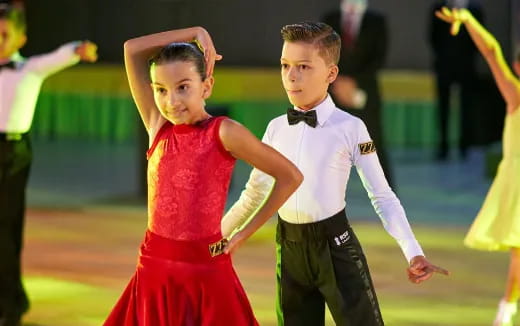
<point>422,278</point>
<point>415,271</point>
<point>430,269</point>
<point>437,269</point>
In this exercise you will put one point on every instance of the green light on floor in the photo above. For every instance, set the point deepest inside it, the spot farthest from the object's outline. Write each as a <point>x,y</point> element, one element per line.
<point>61,302</point>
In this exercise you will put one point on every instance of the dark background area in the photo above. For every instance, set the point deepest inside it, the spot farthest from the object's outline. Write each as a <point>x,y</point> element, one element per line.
<point>246,32</point>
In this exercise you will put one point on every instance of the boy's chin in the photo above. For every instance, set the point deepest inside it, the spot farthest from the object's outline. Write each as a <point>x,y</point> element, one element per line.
<point>297,102</point>
<point>300,104</point>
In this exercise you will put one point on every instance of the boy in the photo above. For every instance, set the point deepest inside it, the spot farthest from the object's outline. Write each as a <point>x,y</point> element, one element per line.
<point>318,256</point>
<point>20,81</point>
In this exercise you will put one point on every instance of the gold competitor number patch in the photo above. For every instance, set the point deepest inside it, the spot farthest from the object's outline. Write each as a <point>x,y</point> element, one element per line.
<point>367,148</point>
<point>217,248</point>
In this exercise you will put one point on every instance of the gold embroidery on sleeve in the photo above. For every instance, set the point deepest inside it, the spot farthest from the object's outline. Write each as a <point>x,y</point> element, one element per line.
<point>367,148</point>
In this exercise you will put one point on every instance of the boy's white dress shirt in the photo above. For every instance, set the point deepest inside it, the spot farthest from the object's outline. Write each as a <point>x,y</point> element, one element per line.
<point>325,156</point>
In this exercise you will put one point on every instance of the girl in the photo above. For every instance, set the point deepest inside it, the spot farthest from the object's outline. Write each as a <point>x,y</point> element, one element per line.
<point>497,226</point>
<point>184,274</point>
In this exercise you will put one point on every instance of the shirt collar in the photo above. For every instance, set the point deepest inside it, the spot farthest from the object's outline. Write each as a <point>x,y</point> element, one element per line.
<point>355,18</point>
<point>323,110</point>
<point>17,59</point>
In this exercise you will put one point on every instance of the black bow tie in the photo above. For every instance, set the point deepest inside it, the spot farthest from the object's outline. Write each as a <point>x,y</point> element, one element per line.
<point>10,65</point>
<point>309,117</point>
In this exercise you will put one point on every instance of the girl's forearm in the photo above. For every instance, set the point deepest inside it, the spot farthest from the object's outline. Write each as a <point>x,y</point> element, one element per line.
<point>484,40</point>
<point>490,49</point>
<point>151,42</point>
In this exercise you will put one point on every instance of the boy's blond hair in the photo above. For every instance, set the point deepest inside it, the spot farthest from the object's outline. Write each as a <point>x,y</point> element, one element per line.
<point>15,14</point>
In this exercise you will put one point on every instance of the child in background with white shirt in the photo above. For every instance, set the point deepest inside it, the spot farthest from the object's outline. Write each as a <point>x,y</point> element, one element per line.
<point>20,82</point>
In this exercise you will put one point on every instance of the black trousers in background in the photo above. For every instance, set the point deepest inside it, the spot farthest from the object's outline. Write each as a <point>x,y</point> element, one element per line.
<point>444,81</point>
<point>320,263</point>
<point>15,162</point>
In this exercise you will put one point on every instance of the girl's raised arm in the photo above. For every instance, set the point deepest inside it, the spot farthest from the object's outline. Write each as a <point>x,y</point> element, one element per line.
<point>137,52</point>
<point>507,83</point>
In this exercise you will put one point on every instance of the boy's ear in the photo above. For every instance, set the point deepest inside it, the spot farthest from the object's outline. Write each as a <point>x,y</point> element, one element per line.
<point>333,74</point>
<point>208,87</point>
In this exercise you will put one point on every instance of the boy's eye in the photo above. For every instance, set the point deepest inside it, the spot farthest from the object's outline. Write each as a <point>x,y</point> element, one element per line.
<point>284,66</point>
<point>183,87</point>
<point>304,67</point>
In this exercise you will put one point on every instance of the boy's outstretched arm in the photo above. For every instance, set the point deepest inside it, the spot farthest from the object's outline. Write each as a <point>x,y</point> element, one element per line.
<point>389,208</point>
<point>137,52</point>
<point>489,47</point>
<point>66,55</point>
<point>242,144</point>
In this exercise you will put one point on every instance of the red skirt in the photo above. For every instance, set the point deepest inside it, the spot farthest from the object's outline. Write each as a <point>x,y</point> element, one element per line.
<point>178,283</point>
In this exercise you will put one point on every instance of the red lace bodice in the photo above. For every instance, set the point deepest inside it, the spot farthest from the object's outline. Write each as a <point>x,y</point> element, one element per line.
<point>189,172</point>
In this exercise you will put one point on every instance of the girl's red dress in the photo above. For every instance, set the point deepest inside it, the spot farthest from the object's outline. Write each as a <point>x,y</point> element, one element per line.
<point>177,281</point>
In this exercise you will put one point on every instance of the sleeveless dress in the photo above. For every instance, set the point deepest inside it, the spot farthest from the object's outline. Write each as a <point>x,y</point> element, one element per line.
<point>497,226</point>
<point>178,282</point>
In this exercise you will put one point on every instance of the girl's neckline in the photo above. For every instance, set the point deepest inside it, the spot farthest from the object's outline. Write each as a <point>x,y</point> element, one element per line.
<point>184,127</point>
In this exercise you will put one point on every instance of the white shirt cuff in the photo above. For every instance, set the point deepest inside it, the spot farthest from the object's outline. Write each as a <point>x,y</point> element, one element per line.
<point>410,248</point>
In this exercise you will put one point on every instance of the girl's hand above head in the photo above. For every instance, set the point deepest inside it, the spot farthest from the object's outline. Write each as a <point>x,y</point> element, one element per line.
<point>204,41</point>
<point>455,17</point>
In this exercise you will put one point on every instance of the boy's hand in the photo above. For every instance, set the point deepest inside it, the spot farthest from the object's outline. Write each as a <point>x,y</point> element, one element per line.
<point>234,243</point>
<point>87,51</point>
<point>455,17</point>
<point>210,54</point>
<point>421,269</point>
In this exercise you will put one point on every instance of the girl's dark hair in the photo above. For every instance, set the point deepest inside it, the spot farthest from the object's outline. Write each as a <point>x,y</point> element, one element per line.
<point>188,52</point>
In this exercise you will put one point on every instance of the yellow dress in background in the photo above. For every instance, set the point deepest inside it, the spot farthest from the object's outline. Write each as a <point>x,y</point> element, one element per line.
<point>497,226</point>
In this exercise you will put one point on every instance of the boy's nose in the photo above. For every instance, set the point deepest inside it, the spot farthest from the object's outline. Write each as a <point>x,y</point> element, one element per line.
<point>291,74</point>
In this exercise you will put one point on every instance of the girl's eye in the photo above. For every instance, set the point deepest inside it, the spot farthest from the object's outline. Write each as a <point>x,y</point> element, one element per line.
<point>161,90</point>
<point>183,87</point>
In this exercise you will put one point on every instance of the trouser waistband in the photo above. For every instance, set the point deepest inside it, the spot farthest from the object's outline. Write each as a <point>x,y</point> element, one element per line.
<point>317,230</point>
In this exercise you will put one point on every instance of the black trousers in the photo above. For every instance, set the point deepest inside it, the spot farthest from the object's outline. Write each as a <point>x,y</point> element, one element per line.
<point>320,263</point>
<point>15,162</point>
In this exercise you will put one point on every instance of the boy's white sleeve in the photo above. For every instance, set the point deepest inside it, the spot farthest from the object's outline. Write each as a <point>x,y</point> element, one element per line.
<point>384,200</point>
<point>49,63</point>
<point>251,199</point>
